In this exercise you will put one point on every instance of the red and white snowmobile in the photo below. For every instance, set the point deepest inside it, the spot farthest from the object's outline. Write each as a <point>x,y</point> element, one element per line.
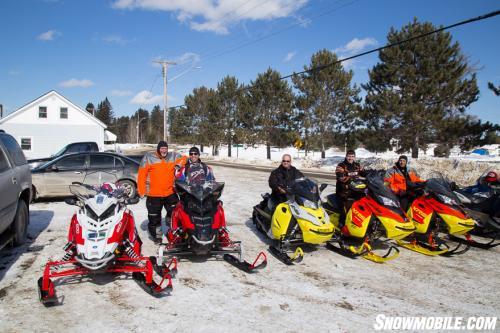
<point>198,227</point>
<point>102,238</point>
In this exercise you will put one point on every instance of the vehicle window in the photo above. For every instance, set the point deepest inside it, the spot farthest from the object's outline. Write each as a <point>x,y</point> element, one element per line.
<point>102,161</point>
<point>130,163</point>
<point>13,149</point>
<point>77,148</point>
<point>4,164</point>
<point>118,163</point>
<point>72,162</point>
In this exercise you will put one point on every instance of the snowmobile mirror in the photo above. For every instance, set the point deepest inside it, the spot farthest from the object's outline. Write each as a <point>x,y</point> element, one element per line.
<point>70,201</point>
<point>322,187</point>
<point>132,201</point>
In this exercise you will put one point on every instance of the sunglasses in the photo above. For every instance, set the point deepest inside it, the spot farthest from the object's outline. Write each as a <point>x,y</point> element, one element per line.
<point>191,154</point>
<point>285,161</point>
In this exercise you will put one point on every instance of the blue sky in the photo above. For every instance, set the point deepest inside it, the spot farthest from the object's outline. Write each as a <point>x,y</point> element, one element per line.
<point>87,50</point>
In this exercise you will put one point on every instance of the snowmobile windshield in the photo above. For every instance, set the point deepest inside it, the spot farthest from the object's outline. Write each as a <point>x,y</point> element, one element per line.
<point>306,192</point>
<point>97,182</point>
<point>381,193</point>
<point>200,190</point>
<point>441,188</point>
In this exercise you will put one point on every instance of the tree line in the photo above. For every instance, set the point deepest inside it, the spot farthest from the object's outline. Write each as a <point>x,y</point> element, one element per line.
<point>417,93</point>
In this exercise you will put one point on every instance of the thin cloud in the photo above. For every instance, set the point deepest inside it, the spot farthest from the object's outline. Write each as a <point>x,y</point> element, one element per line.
<point>216,16</point>
<point>74,83</point>
<point>49,35</point>
<point>146,97</point>
<point>289,56</point>
<point>354,46</point>
<point>14,73</point>
<point>120,93</point>
<point>115,39</point>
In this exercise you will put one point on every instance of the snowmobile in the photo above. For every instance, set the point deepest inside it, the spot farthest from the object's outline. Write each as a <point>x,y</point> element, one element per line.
<point>298,221</point>
<point>482,202</point>
<point>102,238</point>
<point>437,209</point>
<point>198,228</point>
<point>375,214</point>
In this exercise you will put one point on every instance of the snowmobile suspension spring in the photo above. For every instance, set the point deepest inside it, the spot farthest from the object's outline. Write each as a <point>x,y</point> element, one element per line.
<point>67,256</point>
<point>129,250</point>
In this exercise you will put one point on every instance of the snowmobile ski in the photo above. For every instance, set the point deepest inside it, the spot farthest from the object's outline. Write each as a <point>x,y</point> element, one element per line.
<point>153,288</point>
<point>245,265</point>
<point>474,243</point>
<point>163,269</point>
<point>414,246</point>
<point>48,296</point>
<point>372,256</point>
<point>297,257</point>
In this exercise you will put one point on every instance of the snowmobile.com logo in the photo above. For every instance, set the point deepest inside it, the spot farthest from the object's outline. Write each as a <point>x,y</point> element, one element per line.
<point>383,322</point>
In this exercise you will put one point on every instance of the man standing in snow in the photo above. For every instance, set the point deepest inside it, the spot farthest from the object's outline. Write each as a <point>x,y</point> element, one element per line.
<point>399,178</point>
<point>345,172</point>
<point>282,178</point>
<point>159,167</point>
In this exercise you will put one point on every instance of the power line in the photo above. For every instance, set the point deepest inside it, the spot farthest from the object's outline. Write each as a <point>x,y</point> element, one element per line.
<point>319,68</point>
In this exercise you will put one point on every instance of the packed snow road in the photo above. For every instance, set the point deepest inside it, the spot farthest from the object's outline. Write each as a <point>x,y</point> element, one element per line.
<point>324,293</point>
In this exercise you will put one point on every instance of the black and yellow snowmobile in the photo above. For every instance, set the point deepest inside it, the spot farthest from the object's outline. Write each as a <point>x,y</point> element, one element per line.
<point>298,221</point>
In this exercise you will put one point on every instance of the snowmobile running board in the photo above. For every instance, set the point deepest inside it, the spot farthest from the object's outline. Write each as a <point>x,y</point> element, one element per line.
<point>297,257</point>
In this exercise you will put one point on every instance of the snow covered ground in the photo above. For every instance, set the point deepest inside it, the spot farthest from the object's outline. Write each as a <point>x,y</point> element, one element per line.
<point>324,293</point>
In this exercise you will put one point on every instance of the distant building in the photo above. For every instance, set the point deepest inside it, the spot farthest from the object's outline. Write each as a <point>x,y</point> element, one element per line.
<point>50,122</point>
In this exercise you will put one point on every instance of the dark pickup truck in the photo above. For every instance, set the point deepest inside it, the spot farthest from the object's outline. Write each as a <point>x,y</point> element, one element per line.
<point>15,183</point>
<point>75,147</point>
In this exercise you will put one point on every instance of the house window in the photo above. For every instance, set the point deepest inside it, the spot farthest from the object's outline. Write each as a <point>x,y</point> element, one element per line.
<point>26,143</point>
<point>64,113</point>
<point>42,112</point>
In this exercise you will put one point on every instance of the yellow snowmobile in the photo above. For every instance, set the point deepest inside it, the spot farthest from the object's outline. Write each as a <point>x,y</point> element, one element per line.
<point>375,216</point>
<point>298,221</point>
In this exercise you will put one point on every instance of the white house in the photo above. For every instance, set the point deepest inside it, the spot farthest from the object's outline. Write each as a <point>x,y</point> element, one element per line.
<point>50,122</point>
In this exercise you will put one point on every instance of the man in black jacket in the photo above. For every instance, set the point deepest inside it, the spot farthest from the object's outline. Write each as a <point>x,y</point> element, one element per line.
<point>282,178</point>
<point>345,172</point>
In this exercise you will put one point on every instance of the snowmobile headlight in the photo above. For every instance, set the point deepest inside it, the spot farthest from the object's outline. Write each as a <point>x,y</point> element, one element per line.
<point>389,202</point>
<point>90,213</point>
<point>447,200</point>
<point>108,212</point>
<point>310,204</point>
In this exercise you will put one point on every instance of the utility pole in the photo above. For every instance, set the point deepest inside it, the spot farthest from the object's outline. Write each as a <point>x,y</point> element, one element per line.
<point>164,64</point>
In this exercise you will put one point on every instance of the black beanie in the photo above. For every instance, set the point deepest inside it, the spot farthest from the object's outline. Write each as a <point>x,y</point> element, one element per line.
<point>194,150</point>
<point>403,157</point>
<point>161,144</point>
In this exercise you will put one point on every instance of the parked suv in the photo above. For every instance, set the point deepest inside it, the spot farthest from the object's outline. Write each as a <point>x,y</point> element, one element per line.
<point>15,184</point>
<point>75,147</point>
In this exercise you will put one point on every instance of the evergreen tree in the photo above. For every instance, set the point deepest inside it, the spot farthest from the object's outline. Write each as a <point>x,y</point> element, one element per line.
<point>495,89</point>
<point>417,86</point>
<point>105,112</point>
<point>328,100</point>
<point>273,99</point>
<point>90,108</point>
<point>122,129</point>
<point>229,94</point>
<point>155,133</point>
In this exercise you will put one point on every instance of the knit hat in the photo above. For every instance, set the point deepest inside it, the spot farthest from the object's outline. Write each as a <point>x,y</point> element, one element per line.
<point>403,157</point>
<point>194,150</point>
<point>161,144</point>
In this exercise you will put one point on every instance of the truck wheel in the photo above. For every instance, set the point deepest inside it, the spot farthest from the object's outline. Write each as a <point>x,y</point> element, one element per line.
<point>20,225</point>
<point>129,186</point>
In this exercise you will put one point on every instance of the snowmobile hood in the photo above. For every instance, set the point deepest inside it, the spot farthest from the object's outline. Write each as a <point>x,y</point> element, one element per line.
<point>200,191</point>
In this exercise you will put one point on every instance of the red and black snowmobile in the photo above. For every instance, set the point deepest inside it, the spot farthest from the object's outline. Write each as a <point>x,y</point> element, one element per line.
<point>198,228</point>
<point>102,238</point>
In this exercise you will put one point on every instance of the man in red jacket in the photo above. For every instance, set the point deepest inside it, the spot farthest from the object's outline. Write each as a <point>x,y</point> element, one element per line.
<point>160,168</point>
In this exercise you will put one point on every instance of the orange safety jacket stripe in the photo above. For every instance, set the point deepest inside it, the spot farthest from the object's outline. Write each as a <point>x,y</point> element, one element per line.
<point>160,172</point>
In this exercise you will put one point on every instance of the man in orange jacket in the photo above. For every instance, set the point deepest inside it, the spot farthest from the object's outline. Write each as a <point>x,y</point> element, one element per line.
<point>398,177</point>
<point>160,167</point>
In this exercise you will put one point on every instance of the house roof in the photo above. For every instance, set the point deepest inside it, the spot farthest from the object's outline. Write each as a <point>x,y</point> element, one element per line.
<point>53,93</point>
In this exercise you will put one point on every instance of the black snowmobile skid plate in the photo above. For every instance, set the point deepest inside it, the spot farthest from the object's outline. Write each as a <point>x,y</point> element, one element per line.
<point>456,250</point>
<point>284,257</point>
<point>245,265</point>
<point>485,246</point>
<point>162,270</point>
<point>342,251</point>
<point>153,288</point>
<point>44,297</point>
